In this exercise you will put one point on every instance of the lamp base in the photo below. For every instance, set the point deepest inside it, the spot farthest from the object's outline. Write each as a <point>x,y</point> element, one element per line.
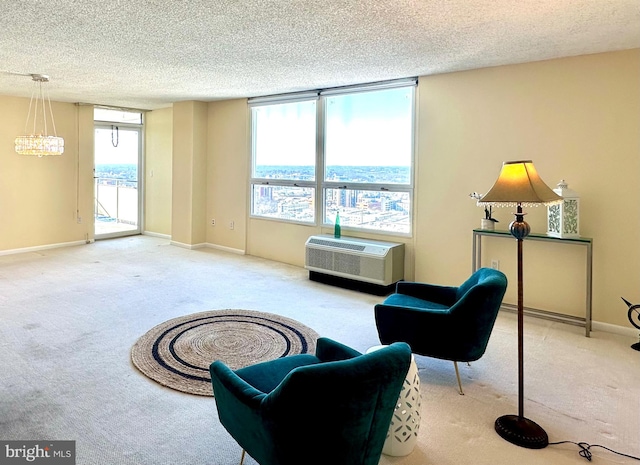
<point>522,432</point>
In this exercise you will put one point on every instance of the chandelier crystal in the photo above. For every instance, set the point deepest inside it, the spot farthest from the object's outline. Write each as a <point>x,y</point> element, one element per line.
<point>39,142</point>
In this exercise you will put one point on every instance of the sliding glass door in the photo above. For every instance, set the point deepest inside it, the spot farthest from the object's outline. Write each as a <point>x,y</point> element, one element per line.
<point>117,178</point>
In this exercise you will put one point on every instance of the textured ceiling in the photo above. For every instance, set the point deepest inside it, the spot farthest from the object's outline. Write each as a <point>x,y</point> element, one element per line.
<point>150,53</point>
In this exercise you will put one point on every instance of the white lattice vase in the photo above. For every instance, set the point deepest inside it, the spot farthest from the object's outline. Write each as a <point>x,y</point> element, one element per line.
<point>405,423</point>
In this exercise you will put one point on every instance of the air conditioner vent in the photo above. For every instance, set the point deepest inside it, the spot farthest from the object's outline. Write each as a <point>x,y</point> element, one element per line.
<point>359,259</point>
<point>334,244</point>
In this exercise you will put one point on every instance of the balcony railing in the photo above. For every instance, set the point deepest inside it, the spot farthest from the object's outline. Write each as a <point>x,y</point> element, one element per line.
<point>116,202</point>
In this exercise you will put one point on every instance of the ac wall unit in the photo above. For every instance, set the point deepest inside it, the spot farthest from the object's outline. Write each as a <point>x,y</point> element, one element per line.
<point>358,259</point>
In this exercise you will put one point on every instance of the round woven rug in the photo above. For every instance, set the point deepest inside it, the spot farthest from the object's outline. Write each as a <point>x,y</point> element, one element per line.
<point>178,352</point>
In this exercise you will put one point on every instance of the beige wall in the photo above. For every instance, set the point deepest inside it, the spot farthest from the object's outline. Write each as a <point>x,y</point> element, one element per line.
<point>227,174</point>
<point>86,165</point>
<point>578,119</point>
<point>158,170</point>
<point>42,198</point>
<point>188,187</point>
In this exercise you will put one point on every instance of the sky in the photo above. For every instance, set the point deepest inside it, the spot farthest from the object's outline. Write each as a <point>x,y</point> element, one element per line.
<point>126,151</point>
<point>372,128</point>
<point>365,129</point>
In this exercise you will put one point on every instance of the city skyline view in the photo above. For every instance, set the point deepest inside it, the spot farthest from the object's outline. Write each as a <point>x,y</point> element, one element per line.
<point>373,174</point>
<point>359,208</point>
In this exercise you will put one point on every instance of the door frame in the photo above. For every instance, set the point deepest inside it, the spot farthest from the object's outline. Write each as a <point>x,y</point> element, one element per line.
<point>139,128</point>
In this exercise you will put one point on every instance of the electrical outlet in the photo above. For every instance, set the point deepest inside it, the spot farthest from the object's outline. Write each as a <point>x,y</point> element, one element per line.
<point>231,225</point>
<point>495,264</point>
<point>213,222</point>
<point>79,220</point>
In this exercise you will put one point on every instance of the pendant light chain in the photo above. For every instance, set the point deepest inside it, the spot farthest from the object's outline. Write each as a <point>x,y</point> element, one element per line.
<point>117,139</point>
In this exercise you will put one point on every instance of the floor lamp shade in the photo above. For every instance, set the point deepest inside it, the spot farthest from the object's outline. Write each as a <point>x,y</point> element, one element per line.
<point>518,185</point>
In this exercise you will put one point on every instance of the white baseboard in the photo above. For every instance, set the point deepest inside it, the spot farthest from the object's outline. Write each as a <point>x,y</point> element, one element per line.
<point>615,329</point>
<point>42,247</point>
<point>188,246</point>
<point>155,234</point>
<point>209,246</point>
<point>225,249</point>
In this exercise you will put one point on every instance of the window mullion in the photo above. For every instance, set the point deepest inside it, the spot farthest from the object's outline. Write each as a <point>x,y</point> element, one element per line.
<point>366,186</point>
<point>320,162</point>
<point>282,182</point>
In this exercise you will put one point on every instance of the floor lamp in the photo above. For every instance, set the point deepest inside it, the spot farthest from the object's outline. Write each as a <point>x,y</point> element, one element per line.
<point>519,185</point>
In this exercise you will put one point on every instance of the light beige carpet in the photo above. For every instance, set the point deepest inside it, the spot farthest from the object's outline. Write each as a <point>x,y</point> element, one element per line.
<point>68,319</point>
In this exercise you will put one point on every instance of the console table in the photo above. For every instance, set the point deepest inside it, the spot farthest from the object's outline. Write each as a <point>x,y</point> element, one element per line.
<point>587,242</point>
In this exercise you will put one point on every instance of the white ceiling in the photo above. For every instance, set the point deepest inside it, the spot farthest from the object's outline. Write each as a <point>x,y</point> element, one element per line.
<point>150,53</point>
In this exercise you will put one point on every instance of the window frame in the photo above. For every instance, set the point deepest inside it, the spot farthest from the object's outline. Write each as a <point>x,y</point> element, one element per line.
<point>292,183</point>
<point>319,184</point>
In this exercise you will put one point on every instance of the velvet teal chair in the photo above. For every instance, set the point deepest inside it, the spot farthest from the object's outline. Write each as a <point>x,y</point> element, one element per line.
<point>334,407</point>
<point>450,323</point>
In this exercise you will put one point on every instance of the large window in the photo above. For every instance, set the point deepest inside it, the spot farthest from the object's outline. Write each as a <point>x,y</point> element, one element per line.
<point>284,160</point>
<point>346,151</point>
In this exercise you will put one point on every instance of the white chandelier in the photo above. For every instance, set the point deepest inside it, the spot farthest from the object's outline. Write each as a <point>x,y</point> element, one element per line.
<point>39,142</point>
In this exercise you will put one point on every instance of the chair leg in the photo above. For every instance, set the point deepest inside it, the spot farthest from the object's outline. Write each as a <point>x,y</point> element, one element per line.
<point>242,457</point>
<point>455,364</point>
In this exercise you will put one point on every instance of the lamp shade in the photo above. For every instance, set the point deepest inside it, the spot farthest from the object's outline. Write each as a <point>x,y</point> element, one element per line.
<point>519,184</point>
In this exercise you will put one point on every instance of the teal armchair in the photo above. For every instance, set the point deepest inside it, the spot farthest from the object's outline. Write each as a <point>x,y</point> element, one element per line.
<point>333,407</point>
<point>450,323</point>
